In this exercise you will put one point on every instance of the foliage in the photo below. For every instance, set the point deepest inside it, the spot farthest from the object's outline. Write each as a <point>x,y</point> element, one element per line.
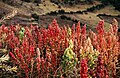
<point>62,51</point>
<point>5,69</point>
<point>69,59</point>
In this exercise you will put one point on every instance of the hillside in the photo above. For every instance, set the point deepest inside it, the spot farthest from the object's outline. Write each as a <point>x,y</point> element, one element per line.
<point>33,13</point>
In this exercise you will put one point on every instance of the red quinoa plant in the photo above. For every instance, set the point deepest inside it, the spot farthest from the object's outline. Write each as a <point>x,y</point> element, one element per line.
<point>46,52</point>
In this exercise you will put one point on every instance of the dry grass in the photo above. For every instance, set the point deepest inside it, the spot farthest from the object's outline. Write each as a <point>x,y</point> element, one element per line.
<point>47,6</point>
<point>80,7</point>
<point>90,19</point>
<point>110,10</point>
